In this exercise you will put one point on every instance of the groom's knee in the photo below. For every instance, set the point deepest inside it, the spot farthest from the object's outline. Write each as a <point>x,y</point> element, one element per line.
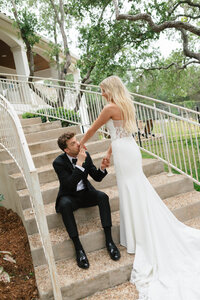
<point>65,203</point>
<point>103,198</point>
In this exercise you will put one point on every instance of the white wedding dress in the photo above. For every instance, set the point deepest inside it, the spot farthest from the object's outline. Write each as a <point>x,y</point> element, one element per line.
<point>167,252</point>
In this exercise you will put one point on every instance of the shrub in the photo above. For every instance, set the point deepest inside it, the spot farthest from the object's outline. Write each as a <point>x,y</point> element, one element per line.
<point>57,112</point>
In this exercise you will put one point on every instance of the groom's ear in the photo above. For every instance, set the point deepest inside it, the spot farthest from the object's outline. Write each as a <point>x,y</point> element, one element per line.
<point>66,150</point>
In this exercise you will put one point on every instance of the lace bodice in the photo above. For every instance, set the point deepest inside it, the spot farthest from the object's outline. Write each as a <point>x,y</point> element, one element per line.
<point>116,129</point>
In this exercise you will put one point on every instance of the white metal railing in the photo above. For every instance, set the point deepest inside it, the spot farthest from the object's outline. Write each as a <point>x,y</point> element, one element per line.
<point>169,136</point>
<point>184,112</point>
<point>173,139</point>
<point>13,141</point>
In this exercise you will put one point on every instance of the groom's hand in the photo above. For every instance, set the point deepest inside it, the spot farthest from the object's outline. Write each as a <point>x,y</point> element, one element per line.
<point>105,163</point>
<point>81,157</point>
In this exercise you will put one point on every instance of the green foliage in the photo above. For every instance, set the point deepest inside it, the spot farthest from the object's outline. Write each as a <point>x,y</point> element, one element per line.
<point>28,24</point>
<point>1,198</point>
<point>172,85</point>
<point>57,113</point>
<point>109,46</point>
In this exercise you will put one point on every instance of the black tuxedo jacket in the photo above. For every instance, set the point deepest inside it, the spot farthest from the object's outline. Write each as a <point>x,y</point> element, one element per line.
<point>69,176</point>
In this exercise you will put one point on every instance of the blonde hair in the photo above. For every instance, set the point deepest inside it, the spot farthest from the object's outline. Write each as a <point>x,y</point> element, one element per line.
<point>117,92</point>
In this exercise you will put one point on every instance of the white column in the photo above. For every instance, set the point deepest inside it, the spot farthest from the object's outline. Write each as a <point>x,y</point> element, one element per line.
<point>22,91</point>
<point>21,61</point>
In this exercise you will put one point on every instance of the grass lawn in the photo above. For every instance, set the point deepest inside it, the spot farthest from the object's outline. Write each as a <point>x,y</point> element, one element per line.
<point>196,186</point>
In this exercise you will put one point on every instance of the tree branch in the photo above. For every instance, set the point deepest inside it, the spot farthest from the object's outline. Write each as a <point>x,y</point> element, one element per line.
<point>60,21</point>
<point>189,63</point>
<point>167,67</point>
<point>186,50</point>
<point>187,16</point>
<point>157,28</point>
<point>55,10</point>
<point>185,2</point>
<point>102,12</point>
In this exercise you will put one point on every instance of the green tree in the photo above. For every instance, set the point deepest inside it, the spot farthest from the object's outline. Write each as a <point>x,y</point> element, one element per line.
<point>173,84</point>
<point>157,16</point>
<point>27,23</point>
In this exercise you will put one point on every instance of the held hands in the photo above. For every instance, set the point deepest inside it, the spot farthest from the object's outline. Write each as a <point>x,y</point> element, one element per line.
<point>105,163</point>
<point>81,157</point>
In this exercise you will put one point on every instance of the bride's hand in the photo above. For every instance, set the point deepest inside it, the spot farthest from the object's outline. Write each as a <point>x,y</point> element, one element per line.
<point>83,146</point>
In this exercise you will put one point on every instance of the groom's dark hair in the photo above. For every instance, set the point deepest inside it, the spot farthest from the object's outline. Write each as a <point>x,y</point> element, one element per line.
<point>62,140</point>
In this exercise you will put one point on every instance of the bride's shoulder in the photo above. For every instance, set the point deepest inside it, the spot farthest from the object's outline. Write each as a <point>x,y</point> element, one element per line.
<point>111,106</point>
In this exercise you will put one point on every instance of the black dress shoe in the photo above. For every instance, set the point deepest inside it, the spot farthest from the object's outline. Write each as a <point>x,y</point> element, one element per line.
<point>113,251</point>
<point>81,259</point>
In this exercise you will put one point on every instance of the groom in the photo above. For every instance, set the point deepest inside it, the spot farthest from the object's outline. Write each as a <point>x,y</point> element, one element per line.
<point>72,168</point>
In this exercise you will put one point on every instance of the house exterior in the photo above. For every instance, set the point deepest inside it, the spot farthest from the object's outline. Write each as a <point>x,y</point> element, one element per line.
<point>13,57</point>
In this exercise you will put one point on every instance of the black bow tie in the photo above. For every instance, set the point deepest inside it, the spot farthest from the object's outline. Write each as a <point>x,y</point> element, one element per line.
<point>74,160</point>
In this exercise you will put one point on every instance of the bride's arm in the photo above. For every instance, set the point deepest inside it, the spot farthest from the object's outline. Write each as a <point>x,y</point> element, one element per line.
<point>104,116</point>
<point>109,152</point>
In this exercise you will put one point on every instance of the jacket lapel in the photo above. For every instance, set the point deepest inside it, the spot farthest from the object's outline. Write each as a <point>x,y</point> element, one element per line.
<point>67,161</point>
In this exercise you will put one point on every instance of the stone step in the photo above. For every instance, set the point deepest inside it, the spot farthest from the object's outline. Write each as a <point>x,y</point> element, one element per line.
<point>51,144</point>
<point>47,174</point>
<point>41,127</point>
<point>76,284</point>
<point>124,291</point>
<point>30,121</point>
<point>184,206</point>
<point>44,158</point>
<point>102,274</point>
<point>49,134</point>
<point>43,141</point>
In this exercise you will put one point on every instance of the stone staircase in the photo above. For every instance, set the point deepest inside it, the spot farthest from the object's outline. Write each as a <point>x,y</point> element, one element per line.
<point>105,279</point>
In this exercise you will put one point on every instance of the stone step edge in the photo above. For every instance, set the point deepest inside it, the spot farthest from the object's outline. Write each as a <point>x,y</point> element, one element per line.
<point>123,291</point>
<point>43,123</point>
<point>45,131</point>
<point>43,127</point>
<point>111,170</point>
<point>37,120</point>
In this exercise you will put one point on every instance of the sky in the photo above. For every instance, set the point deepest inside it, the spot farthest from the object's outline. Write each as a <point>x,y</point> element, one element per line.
<point>167,46</point>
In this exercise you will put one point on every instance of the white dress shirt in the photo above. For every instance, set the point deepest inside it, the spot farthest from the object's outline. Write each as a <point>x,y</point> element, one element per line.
<point>80,185</point>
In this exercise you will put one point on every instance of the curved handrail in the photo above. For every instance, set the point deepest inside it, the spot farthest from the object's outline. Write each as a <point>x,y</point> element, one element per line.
<point>22,157</point>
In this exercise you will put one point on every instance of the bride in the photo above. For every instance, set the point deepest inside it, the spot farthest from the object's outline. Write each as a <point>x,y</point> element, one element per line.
<point>167,252</point>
